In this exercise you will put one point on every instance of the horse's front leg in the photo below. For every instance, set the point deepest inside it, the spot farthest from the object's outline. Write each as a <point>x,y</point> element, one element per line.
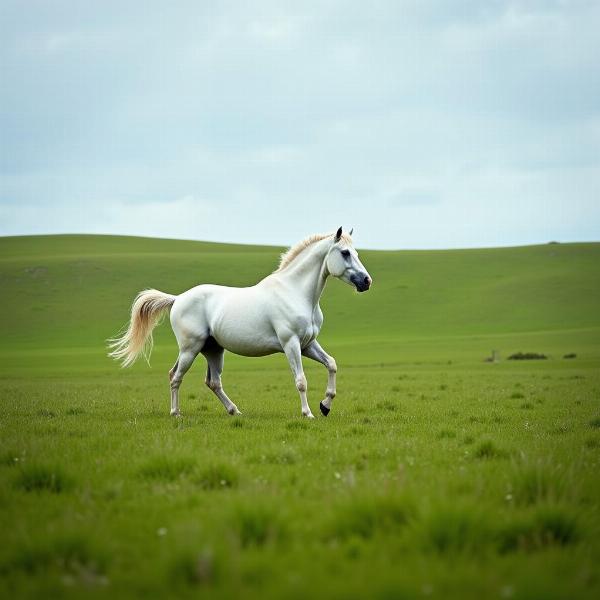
<point>294,355</point>
<point>315,352</point>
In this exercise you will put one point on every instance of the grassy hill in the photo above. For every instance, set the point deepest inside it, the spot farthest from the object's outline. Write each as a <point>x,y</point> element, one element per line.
<point>70,292</point>
<point>436,474</point>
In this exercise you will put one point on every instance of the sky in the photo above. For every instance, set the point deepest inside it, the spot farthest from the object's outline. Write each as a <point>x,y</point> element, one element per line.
<point>422,124</point>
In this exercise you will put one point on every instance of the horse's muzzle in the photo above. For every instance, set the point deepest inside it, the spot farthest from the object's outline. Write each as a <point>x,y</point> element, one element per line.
<point>361,282</point>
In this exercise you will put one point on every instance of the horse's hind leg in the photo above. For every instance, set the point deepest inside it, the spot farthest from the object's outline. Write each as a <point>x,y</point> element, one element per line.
<point>174,396</point>
<point>214,358</point>
<point>180,368</point>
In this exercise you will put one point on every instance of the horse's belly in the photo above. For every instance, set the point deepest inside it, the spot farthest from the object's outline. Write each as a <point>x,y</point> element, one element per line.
<point>240,325</point>
<point>248,343</point>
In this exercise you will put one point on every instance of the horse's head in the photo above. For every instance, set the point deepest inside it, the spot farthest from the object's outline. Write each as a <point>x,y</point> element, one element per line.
<point>343,263</point>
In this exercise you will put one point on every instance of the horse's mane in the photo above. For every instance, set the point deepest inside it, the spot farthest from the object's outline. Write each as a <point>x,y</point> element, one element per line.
<point>289,256</point>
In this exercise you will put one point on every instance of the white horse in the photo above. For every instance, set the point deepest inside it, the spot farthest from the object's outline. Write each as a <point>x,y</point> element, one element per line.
<point>281,313</point>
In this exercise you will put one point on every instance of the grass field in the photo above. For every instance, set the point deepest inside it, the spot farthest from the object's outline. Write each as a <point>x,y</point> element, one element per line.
<point>436,475</point>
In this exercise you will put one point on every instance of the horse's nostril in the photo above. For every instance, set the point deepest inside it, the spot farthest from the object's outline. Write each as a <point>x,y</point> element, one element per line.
<point>368,280</point>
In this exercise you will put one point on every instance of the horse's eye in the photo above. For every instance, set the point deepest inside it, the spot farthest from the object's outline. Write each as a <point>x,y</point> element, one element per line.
<point>346,253</point>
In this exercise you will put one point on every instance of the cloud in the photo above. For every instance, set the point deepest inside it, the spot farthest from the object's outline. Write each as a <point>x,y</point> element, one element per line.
<point>426,123</point>
<point>181,217</point>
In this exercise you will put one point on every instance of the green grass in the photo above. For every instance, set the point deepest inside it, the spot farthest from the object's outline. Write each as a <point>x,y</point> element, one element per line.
<point>435,475</point>
<point>33,478</point>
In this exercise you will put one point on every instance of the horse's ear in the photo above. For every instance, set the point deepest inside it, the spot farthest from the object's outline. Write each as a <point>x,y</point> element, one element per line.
<point>351,231</point>
<point>338,235</point>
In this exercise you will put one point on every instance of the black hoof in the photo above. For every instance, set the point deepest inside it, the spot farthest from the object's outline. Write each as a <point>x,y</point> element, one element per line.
<point>324,409</point>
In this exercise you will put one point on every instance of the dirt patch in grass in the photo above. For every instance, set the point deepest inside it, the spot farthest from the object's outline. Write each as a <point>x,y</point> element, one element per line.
<point>527,356</point>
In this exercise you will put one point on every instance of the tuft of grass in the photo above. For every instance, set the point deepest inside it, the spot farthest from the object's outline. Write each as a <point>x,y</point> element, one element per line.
<point>167,468</point>
<point>258,525</point>
<point>489,450</point>
<point>74,410</point>
<point>217,477</point>
<point>538,483</point>
<point>549,526</point>
<point>283,457</point>
<point>295,425</point>
<point>595,422</point>
<point>72,554</point>
<point>517,395</point>
<point>570,355</point>
<point>526,406</point>
<point>446,433</point>
<point>196,568</point>
<point>44,412</point>
<point>43,478</point>
<point>236,423</point>
<point>388,405</point>
<point>562,428</point>
<point>10,459</point>
<point>452,529</point>
<point>368,516</point>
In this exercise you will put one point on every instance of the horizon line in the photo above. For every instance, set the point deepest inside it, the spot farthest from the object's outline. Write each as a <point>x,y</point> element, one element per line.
<point>278,246</point>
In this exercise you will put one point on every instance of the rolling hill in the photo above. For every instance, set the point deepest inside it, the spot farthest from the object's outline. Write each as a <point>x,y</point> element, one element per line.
<point>436,472</point>
<point>68,293</point>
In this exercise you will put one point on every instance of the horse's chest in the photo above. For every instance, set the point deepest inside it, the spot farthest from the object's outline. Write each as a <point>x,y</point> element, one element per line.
<point>307,336</point>
<point>307,330</point>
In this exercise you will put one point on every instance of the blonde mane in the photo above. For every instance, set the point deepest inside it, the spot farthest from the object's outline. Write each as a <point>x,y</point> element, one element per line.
<point>289,256</point>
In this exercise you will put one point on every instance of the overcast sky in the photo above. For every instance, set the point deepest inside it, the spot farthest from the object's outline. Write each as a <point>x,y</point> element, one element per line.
<point>423,124</point>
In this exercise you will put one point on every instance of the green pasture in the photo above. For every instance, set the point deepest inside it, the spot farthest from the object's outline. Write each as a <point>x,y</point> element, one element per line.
<point>436,475</point>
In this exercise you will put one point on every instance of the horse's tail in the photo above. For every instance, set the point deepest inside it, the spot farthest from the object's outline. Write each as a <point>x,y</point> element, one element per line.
<point>146,312</point>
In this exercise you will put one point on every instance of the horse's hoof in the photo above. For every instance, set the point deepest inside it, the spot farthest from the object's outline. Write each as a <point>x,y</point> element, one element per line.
<point>175,413</point>
<point>234,411</point>
<point>324,409</point>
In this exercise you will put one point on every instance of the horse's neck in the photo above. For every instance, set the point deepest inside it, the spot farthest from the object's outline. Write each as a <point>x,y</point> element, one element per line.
<point>308,271</point>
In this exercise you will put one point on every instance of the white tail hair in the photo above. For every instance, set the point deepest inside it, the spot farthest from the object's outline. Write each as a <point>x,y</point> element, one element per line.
<point>146,312</point>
